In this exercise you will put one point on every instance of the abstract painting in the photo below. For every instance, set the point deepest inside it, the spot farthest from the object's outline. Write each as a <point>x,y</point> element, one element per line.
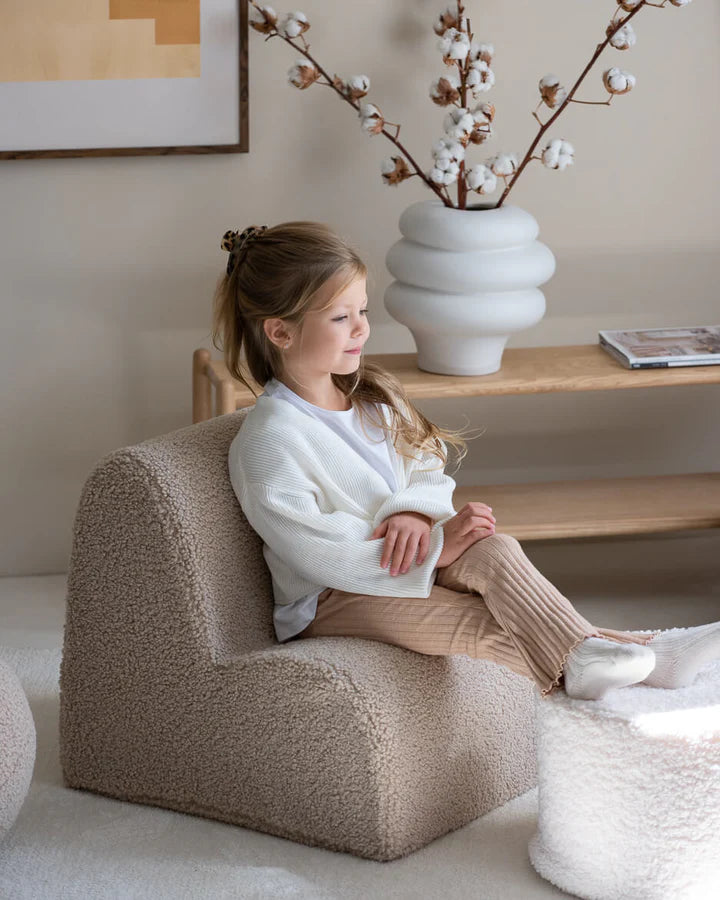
<point>123,77</point>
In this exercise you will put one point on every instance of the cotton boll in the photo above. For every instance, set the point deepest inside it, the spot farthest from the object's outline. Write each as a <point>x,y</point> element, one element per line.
<point>268,23</point>
<point>394,170</point>
<point>629,5</point>
<point>357,87</point>
<point>458,124</point>
<point>445,91</point>
<point>483,110</point>
<point>503,164</point>
<point>368,109</point>
<point>484,52</point>
<point>445,151</point>
<point>481,132</point>
<point>618,82</point>
<point>454,45</point>
<point>303,74</point>
<point>552,92</point>
<point>294,24</point>
<point>680,2</point>
<point>483,115</point>
<point>480,77</point>
<point>445,176</point>
<point>558,154</point>
<point>449,19</point>
<point>372,121</point>
<point>481,179</point>
<point>373,125</point>
<point>360,82</point>
<point>624,37</point>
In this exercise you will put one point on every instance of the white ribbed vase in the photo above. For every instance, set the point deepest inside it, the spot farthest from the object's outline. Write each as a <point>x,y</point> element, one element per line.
<point>466,279</point>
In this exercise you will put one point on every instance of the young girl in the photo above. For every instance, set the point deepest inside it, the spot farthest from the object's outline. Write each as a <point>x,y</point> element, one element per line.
<point>343,479</point>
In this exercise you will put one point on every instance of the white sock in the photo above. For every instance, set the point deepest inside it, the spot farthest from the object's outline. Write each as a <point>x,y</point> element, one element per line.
<point>680,653</point>
<point>596,665</point>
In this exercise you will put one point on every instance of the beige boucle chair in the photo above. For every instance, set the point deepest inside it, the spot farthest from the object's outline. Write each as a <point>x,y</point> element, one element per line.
<point>175,692</point>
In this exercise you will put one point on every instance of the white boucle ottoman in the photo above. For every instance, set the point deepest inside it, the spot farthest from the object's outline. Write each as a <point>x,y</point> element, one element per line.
<point>629,792</point>
<point>17,746</point>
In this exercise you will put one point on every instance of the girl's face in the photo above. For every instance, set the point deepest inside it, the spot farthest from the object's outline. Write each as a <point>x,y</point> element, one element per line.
<point>328,334</point>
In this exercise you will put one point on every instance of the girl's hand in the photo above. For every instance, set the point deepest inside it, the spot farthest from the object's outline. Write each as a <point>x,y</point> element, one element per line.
<point>405,533</point>
<point>473,523</point>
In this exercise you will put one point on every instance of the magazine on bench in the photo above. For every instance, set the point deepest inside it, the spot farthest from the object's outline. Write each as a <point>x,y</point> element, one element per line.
<point>658,347</point>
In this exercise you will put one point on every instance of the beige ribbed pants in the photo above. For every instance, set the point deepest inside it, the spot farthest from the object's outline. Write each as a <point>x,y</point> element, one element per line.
<point>491,603</point>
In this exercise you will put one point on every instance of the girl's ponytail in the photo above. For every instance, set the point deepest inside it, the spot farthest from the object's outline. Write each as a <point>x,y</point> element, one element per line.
<point>229,323</point>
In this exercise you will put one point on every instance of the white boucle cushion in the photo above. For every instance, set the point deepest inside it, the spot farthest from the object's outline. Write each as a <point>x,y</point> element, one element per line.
<point>17,747</point>
<point>629,792</point>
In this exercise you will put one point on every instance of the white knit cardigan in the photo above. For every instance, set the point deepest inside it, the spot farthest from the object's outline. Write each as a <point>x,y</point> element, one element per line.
<point>315,502</point>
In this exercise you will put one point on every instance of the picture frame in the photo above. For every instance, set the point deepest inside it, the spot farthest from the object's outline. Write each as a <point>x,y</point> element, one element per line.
<point>175,79</point>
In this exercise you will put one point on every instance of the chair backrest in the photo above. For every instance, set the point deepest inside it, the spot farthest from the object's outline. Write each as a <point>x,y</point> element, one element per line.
<point>159,526</point>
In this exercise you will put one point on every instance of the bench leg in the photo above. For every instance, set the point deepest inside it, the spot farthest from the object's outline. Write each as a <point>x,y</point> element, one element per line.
<point>202,388</point>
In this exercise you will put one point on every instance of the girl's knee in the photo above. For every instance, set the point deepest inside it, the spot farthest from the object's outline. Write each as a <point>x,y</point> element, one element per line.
<point>501,541</point>
<point>505,539</point>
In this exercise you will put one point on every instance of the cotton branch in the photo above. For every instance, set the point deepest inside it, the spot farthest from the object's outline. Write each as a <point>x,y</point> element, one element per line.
<point>543,128</point>
<point>356,106</point>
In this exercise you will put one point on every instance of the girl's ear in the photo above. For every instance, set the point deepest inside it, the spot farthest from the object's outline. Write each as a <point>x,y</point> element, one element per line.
<point>279,332</point>
<point>274,330</point>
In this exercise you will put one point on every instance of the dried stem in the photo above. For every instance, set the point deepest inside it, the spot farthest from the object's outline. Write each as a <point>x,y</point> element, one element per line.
<point>463,68</point>
<point>543,128</point>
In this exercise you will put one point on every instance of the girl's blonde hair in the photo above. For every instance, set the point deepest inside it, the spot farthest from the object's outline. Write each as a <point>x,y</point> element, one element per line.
<point>278,275</point>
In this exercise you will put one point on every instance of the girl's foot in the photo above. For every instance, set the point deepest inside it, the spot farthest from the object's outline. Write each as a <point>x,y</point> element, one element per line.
<point>680,654</point>
<point>596,665</point>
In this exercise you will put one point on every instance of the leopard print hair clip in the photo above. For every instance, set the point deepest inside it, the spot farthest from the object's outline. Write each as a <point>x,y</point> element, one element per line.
<point>235,241</point>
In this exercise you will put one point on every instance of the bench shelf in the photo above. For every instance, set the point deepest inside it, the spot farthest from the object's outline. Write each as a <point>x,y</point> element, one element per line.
<point>545,510</point>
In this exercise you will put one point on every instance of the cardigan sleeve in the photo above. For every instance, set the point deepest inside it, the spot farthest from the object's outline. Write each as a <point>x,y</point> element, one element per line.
<point>427,492</point>
<point>332,548</point>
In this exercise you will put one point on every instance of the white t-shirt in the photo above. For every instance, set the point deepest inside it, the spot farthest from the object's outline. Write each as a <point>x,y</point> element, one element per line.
<point>292,618</point>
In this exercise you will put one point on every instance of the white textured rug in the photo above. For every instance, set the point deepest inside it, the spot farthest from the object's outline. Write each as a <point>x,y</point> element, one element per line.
<point>73,844</point>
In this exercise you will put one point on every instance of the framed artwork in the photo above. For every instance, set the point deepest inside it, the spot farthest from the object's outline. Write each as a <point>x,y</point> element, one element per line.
<point>123,78</point>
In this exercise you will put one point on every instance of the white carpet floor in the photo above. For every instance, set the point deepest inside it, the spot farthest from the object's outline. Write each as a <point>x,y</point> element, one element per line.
<point>69,844</point>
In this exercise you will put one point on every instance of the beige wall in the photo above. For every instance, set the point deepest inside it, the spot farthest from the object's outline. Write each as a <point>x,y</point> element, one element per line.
<point>108,265</point>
